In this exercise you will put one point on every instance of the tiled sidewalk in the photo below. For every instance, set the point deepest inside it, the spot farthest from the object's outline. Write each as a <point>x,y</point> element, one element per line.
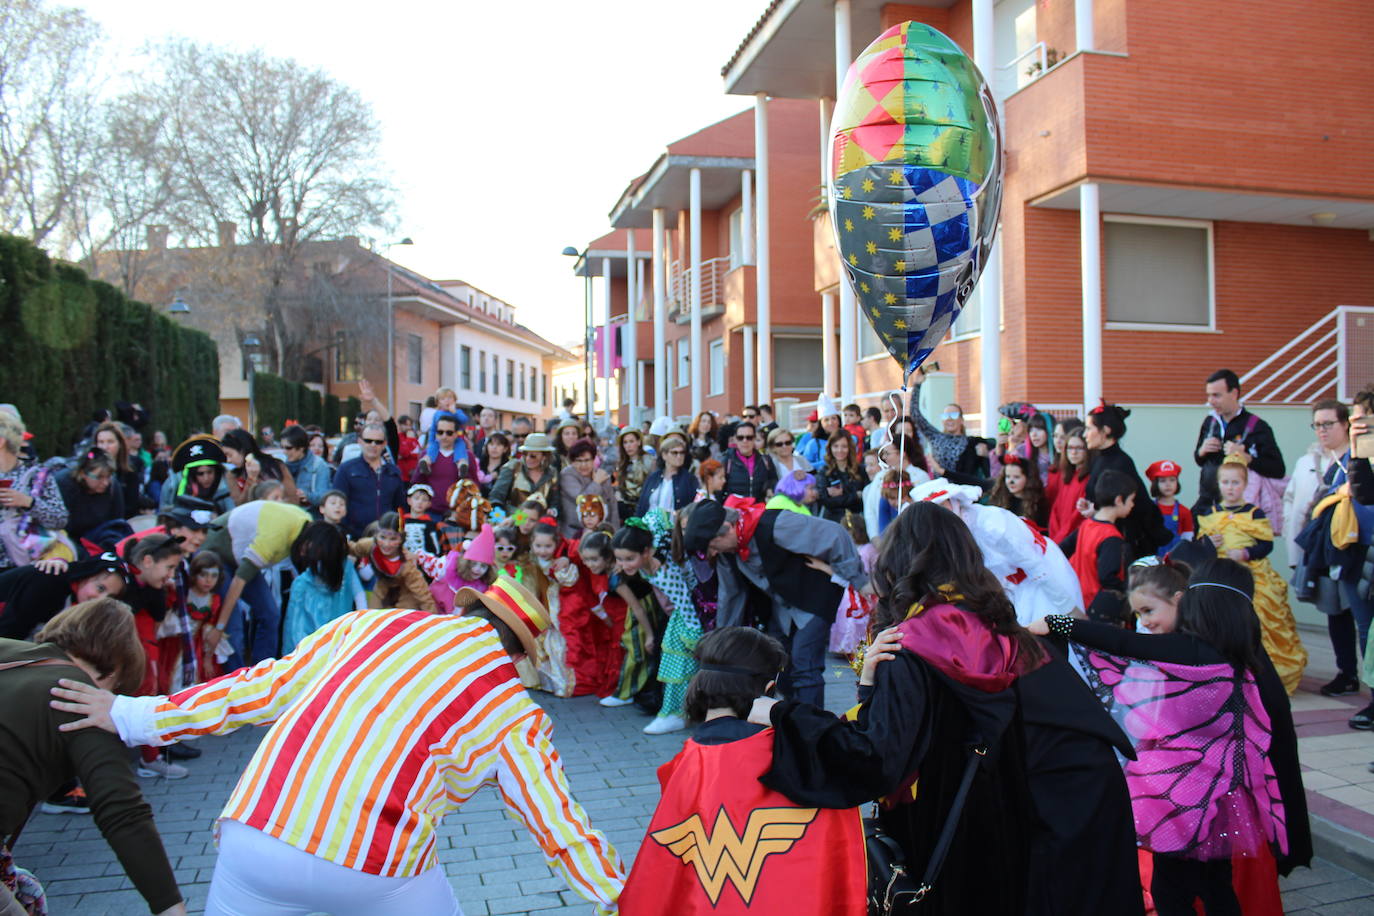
<point>497,869</point>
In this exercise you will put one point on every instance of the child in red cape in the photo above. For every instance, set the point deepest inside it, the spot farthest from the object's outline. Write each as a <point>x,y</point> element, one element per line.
<point>592,616</point>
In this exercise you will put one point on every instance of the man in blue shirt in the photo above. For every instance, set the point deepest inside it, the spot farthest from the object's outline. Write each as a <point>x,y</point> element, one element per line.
<point>372,485</point>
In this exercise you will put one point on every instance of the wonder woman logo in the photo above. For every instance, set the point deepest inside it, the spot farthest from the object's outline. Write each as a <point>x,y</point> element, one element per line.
<point>725,856</point>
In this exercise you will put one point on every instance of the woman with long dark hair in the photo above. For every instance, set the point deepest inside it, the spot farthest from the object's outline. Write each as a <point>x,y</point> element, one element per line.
<point>249,465</point>
<point>1144,528</point>
<point>1019,490</point>
<point>953,672</point>
<point>1243,754</point>
<point>841,481</point>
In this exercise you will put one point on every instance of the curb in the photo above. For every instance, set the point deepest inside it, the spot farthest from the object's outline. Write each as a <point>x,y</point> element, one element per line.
<point>1343,846</point>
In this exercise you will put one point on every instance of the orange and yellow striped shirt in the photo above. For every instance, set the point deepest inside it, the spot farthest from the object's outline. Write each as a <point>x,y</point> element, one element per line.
<point>383,722</point>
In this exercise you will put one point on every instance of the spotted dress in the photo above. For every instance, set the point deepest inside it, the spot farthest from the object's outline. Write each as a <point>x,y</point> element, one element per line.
<point>675,582</point>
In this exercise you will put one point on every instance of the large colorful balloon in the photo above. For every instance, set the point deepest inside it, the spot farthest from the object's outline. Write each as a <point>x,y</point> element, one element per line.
<point>915,184</point>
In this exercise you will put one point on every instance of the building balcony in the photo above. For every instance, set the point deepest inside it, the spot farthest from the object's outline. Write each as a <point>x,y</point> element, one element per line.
<point>713,299</point>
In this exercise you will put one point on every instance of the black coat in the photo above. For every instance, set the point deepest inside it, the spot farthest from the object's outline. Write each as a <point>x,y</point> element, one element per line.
<point>1265,457</point>
<point>851,497</point>
<point>86,510</point>
<point>1143,529</point>
<point>684,489</point>
<point>739,482</point>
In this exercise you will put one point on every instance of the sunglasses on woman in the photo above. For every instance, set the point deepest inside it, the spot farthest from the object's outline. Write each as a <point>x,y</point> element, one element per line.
<point>781,442</point>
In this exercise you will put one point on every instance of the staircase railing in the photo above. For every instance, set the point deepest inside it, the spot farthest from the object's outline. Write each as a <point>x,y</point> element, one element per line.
<point>1332,357</point>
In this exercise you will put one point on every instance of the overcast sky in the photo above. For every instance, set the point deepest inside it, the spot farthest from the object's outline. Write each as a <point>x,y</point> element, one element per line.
<point>510,128</point>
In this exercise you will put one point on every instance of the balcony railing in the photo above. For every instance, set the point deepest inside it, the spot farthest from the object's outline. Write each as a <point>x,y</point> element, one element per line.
<point>713,273</point>
<point>1333,357</point>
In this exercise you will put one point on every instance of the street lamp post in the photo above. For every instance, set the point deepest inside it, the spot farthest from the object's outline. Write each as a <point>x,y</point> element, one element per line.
<point>391,331</point>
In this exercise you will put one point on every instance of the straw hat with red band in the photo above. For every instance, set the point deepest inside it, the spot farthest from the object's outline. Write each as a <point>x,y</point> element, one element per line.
<point>1164,468</point>
<point>514,605</point>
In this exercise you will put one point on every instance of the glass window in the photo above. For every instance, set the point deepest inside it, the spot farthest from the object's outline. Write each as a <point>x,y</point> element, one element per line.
<point>869,343</point>
<point>684,362</point>
<point>465,368</point>
<point>797,363</point>
<point>523,395</point>
<point>1158,272</point>
<point>534,384</point>
<point>482,370</point>
<point>348,361</point>
<point>737,230</point>
<point>510,378</point>
<point>415,354</point>
<point>717,353</point>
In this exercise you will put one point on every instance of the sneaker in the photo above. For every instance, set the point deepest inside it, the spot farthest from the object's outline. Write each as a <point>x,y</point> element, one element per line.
<point>1364,719</point>
<point>162,767</point>
<point>1341,685</point>
<point>182,752</point>
<point>74,802</point>
<point>662,725</point>
<point>613,701</point>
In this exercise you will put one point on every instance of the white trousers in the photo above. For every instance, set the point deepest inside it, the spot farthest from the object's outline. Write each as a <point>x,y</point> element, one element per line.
<point>259,875</point>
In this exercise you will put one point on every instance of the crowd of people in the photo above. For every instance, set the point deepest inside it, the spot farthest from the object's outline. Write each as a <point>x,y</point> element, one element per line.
<point>382,598</point>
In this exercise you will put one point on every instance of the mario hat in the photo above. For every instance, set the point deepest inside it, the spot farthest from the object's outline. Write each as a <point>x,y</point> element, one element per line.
<point>813,417</point>
<point>514,606</point>
<point>482,549</point>
<point>1165,468</point>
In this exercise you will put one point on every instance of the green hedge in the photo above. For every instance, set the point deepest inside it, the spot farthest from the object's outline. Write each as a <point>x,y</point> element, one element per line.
<point>72,345</point>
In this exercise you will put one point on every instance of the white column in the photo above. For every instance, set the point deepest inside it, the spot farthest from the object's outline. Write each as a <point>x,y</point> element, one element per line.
<point>748,344</point>
<point>849,316</point>
<point>762,280</point>
<point>694,217</point>
<point>1090,253</point>
<point>829,355</point>
<point>661,367</point>
<point>607,373</point>
<point>989,303</point>
<point>829,375</point>
<point>746,216</point>
<point>1083,24</point>
<point>631,330</point>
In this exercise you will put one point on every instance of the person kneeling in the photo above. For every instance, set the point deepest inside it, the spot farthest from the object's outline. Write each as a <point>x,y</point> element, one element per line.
<point>720,842</point>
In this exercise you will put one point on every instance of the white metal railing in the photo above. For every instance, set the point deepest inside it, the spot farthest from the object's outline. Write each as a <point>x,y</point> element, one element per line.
<point>713,273</point>
<point>1334,356</point>
<point>1020,77</point>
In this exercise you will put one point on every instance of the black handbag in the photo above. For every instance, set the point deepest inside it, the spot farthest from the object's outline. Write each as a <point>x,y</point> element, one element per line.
<point>891,886</point>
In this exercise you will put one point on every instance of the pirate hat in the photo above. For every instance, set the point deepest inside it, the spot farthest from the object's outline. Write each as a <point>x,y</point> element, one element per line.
<point>197,451</point>
<point>514,605</point>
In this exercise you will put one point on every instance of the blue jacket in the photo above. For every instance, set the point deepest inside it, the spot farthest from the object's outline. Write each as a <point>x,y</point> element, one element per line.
<point>684,489</point>
<point>369,493</point>
<point>313,477</point>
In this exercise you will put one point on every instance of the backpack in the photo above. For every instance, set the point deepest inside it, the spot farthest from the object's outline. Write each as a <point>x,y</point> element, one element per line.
<point>1265,493</point>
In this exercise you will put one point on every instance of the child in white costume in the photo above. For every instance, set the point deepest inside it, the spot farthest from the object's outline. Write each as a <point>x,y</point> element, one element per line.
<point>1031,567</point>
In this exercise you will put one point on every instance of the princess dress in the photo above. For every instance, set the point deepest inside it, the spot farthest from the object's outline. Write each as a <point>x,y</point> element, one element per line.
<point>850,628</point>
<point>591,619</point>
<point>312,605</point>
<point>555,675</point>
<point>1245,527</point>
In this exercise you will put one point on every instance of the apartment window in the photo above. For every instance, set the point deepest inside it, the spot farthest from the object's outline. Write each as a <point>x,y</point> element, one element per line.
<point>869,342</point>
<point>414,410</point>
<point>465,368</point>
<point>684,362</point>
<point>970,320</point>
<point>797,363</point>
<point>737,230</point>
<point>510,378</point>
<point>415,355</point>
<point>544,391</point>
<point>717,364</point>
<point>495,374</point>
<point>523,395</point>
<point>348,363</point>
<point>534,384</point>
<point>1159,273</point>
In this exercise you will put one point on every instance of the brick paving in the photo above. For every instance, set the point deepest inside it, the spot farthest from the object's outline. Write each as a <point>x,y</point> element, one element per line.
<point>492,862</point>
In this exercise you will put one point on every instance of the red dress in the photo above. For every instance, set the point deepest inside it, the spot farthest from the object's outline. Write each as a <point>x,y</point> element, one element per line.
<point>594,651</point>
<point>1063,499</point>
<point>409,458</point>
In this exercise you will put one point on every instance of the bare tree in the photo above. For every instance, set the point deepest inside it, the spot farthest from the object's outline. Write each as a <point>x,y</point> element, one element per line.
<point>133,183</point>
<point>285,152</point>
<point>48,131</point>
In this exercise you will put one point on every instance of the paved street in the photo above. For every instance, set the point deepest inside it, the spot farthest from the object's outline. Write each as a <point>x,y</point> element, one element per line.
<point>491,860</point>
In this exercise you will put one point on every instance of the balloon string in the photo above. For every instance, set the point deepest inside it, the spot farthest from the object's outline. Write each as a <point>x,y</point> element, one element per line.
<point>901,438</point>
